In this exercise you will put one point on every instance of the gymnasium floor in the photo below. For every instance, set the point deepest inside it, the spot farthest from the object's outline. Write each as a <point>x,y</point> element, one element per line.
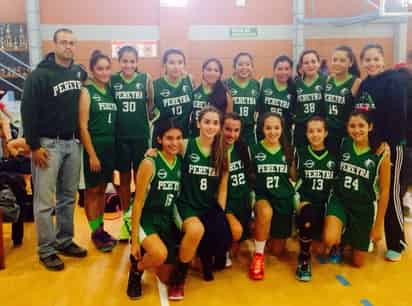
<point>100,279</point>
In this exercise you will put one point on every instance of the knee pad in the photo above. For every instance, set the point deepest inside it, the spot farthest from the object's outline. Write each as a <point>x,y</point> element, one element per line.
<point>305,221</point>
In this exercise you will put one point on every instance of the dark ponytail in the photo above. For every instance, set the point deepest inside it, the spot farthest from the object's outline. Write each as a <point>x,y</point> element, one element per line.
<point>354,68</point>
<point>95,57</point>
<point>218,96</point>
<point>374,140</point>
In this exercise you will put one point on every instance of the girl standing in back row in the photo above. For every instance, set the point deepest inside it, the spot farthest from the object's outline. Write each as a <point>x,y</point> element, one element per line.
<point>131,90</point>
<point>173,92</point>
<point>309,95</point>
<point>245,92</point>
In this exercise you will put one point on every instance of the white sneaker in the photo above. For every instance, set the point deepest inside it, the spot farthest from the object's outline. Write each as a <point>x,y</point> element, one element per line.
<point>228,260</point>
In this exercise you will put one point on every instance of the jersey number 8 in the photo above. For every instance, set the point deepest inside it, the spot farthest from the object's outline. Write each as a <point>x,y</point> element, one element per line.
<point>203,184</point>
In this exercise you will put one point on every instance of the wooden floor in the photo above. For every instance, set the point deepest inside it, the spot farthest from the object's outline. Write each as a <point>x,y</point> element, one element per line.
<point>100,279</point>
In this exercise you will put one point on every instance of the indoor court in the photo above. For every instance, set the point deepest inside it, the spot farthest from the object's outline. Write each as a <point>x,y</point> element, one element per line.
<point>199,31</point>
<point>100,279</point>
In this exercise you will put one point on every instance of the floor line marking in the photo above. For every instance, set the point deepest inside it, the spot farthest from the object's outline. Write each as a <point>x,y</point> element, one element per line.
<point>164,300</point>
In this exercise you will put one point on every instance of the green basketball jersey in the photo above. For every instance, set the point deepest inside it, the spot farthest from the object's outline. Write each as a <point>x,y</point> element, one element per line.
<point>315,175</point>
<point>164,186</point>
<point>131,98</point>
<point>339,101</point>
<point>238,188</point>
<point>275,99</point>
<point>200,182</point>
<point>358,172</point>
<point>200,96</point>
<point>310,100</point>
<point>245,98</point>
<point>102,111</point>
<point>272,172</point>
<point>174,100</point>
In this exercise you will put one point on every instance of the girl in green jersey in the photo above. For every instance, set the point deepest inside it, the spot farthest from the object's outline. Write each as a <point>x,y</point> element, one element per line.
<point>97,121</point>
<point>309,95</point>
<point>356,208</point>
<point>212,91</point>
<point>275,195</point>
<point>278,94</point>
<point>132,91</point>
<point>245,92</point>
<point>340,90</point>
<point>173,92</point>
<point>153,227</point>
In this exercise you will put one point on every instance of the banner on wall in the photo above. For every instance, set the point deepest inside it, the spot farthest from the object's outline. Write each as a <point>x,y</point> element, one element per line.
<point>146,48</point>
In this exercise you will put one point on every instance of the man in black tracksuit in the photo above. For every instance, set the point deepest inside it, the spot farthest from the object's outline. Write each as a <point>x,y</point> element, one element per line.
<point>49,112</point>
<point>385,97</point>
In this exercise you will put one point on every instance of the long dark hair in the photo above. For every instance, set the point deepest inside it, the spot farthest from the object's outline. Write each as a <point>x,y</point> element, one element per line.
<point>354,68</point>
<point>240,146</point>
<point>286,146</point>
<point>374,141</point>
<point>290,82</point>
<point>371,46</point>
<point>218,96</point>
<point>306,52</point>
<point>163,126</point>
<point>95,57</point>
<point>219,156</point>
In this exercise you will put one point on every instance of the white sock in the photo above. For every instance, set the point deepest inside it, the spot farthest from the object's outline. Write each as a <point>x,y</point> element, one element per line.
<point>260,246</point>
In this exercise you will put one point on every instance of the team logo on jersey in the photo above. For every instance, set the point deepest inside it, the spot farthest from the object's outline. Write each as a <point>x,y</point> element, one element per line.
<point>178,174</point>
<point>288,96</point>
<point>139,86</point>
<point>309,164</point>
<point>253,92</point>
<point>268,92</point>
<point>185,88</point>
<point>299,91</point>
<point>344,91</point>
<point>198,96</point>
<point>328,87</point>
<point>233,91</point>
<point>97,98</point>
<point>194,157</point>
<point>345,156</point>
<point>260,156</point>
<point>284,158</point>
<point>118,86</point>
<point>162,173</point>
<point>369,164</point>
<point>165,93</point>
<point>318,88</point>
<point>79,75</point>
<point>331,165</point>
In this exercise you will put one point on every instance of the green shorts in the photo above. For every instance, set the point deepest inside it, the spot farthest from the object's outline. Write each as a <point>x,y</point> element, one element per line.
<point>357,221</point>
<point>242,210</point>
<point>129,153</point>
<point>164,226</point>
<point>104,147</point>
<point>187,210</point>
<point>281,226</point>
